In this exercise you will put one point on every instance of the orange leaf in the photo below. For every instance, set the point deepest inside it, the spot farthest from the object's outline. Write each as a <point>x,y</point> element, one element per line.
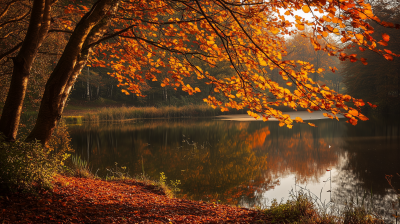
<point>388,57</point>
<point>388,51</point>
<point>363,117</point>
<point>385,37</point>
<point>353,112</point>
<point>298,119</point>
<point>306,9</point>
<point>359,37</point>
<point>352,121</point>
<point>312,125</point>
<point>384,43</point>
<point>300,26</point>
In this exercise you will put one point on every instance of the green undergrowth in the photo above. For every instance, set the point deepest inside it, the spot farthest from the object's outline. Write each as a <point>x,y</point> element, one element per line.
<point>31,167</point>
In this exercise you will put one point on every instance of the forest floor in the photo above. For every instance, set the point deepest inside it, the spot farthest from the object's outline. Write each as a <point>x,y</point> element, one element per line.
<point>81,200</point>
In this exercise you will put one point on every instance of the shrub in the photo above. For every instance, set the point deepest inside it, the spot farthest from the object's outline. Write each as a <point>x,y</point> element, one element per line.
<point>300,210</point>
<point>30,167</point>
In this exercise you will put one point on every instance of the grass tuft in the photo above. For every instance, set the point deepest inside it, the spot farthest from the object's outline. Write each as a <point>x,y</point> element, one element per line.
<point>80,167</point>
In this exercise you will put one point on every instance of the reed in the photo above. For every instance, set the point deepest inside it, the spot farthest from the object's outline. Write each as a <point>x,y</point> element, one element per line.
<point>303,207</point>
<point>126,113</point>
<point>81,167</point>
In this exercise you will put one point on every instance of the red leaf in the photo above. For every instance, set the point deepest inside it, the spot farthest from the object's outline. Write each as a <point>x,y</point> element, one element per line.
<point>385,37</point>
<point>388,57</point>
<point>371,105</point>
<point>364,61</point>
<point>384,43</point>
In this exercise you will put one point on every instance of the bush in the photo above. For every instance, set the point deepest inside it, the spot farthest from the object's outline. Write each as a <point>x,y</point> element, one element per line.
<point>300,210</point>
<point>30,167</point>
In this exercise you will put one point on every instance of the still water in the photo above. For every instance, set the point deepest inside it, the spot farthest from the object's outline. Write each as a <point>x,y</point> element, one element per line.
<point>248,163</point>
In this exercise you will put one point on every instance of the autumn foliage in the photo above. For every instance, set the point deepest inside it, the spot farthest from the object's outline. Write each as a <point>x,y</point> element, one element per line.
<point>169,41</point>
<point>79,200</point>
<point>250,36</point>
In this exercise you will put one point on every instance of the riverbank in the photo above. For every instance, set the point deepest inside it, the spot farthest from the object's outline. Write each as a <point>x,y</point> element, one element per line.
<point>89,200</point>
<point>84,200</point>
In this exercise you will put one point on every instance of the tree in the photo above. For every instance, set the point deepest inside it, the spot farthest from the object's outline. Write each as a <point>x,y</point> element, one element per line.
<point>39,25</point>
<point>377,81</point>
<point>129,35</point>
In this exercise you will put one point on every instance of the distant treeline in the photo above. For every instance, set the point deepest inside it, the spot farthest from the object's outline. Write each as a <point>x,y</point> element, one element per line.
<point>378,82</point>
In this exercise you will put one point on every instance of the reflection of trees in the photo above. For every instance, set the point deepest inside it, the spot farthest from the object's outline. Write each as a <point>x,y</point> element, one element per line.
<point>215,160</point>
<point>373,151</point>
<point>304,150</point>
<point>218,162</point>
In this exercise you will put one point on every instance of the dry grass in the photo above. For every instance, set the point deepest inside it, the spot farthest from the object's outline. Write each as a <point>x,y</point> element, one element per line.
<point>125,113</point>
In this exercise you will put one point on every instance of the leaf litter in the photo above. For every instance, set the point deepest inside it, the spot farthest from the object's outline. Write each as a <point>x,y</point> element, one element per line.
<point>81,200</point>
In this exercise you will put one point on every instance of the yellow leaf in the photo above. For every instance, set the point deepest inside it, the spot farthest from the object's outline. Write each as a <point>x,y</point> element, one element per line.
<point>306,9</point>
<point>359,37</point>
<point>274,30</point>
<point>262,62</point>
<point>298,119</point>
<point>336,31</point>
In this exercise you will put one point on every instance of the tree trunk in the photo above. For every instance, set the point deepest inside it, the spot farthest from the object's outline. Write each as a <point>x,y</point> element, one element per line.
<point>39,25</point>
<point>87,86</point>
<point>98,91</point>
<point>89,29</point>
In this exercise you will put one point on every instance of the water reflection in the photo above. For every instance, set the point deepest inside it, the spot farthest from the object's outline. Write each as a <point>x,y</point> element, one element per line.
<point>240,162</point>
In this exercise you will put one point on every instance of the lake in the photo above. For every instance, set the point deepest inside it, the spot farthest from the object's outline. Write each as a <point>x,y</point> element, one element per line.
<point>232,160</point>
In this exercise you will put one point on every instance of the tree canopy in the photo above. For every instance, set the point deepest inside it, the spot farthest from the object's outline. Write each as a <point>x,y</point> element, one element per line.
<point>169,40</point>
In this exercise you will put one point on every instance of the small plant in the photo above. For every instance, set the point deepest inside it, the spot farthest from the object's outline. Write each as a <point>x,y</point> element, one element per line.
<point>175,184</point>
<point>396,209</point>
<point>81,167</point>
<point>119,173</point>
<point>163,178</point>
<point>300,210</point>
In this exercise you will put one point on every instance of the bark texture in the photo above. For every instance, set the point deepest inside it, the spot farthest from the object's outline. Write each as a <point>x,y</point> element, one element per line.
<point>90,28</point>
<point>39,25</point>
